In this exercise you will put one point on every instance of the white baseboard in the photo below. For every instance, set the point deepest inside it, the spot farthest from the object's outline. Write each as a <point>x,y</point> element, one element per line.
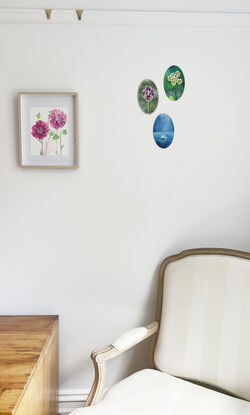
<point>71,399</point>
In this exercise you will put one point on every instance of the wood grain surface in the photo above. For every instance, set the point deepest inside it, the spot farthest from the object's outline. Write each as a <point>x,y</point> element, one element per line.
<point>28,365</point>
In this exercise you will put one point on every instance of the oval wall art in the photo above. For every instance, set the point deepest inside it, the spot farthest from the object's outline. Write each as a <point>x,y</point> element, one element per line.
<point>147,96</point>
<point>163,130</point>
<point>174,83</point>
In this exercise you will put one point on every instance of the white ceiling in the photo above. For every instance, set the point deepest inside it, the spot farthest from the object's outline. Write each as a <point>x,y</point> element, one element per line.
<point>238,6</point>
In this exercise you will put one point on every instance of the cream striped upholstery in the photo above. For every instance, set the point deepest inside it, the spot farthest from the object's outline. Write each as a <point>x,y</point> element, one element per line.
<point>205,324</point>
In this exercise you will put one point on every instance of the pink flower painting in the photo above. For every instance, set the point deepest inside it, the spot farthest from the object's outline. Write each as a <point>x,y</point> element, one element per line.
<point>57,119</point>
<point>40,130</point>
<point>50,134</point>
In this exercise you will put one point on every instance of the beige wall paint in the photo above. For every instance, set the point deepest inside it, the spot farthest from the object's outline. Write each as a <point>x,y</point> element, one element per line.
<point>86,244</point>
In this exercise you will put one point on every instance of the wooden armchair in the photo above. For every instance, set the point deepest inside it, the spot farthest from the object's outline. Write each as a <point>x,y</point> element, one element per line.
<point>200,347</point>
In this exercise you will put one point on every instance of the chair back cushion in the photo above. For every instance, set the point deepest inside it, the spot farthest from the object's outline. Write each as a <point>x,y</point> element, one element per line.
<point>204,330</point>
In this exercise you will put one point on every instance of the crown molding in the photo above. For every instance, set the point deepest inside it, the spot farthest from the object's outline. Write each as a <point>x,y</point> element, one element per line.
<point>126,18</point>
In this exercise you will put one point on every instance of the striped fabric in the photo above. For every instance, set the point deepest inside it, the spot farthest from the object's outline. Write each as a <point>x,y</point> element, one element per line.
<point>205,324</point>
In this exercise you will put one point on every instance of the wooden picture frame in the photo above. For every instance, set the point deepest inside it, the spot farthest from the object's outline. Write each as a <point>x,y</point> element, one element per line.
<point>48,129</point>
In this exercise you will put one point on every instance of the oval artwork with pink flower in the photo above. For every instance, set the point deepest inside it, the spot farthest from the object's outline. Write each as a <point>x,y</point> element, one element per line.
<point>49,131</point>
<point>147,96</point>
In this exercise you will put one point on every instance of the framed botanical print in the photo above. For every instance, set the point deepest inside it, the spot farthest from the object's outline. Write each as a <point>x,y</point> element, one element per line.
<point>48,129</point>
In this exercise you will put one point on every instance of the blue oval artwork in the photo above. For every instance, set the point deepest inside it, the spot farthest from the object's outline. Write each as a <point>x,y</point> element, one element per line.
<point>163,130</point>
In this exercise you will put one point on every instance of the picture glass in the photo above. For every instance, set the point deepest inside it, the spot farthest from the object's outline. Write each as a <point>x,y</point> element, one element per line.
<point>48,130</point>
<point>163,130</point>
<point>174,83</point>
<point>147,96</point>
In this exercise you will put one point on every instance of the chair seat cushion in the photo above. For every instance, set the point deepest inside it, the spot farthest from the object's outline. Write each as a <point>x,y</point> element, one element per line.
<point>151,392</point>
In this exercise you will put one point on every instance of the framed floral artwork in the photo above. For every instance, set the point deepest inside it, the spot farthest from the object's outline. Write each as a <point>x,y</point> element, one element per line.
<point>147,95</point>
<point>174,82</point>
<point>48,129</point>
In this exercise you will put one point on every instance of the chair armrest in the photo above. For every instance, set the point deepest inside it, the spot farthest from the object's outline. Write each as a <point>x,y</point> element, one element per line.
<point>130,338</point>
<point>120,345</point>
<point>125,342</point>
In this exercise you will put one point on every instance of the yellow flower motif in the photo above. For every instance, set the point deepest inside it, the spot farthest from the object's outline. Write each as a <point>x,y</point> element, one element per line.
<point>174,78</point>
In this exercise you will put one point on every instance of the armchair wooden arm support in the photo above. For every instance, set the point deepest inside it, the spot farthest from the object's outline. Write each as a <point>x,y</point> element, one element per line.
<point>101,356</point>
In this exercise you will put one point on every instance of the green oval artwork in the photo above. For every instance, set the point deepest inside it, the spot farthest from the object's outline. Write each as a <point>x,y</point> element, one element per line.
<point>147,96</point>
<point>174,83</point>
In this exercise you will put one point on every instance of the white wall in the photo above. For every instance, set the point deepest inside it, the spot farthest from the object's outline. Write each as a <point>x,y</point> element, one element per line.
<point>86,244</point>
<point>177,5</point>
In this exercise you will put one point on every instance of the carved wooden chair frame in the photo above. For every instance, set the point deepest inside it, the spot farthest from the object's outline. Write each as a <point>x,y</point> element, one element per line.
<point>101,356</point>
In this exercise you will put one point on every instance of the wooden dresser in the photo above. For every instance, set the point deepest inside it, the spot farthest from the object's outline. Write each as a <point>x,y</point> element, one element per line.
<point>28,365</point>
